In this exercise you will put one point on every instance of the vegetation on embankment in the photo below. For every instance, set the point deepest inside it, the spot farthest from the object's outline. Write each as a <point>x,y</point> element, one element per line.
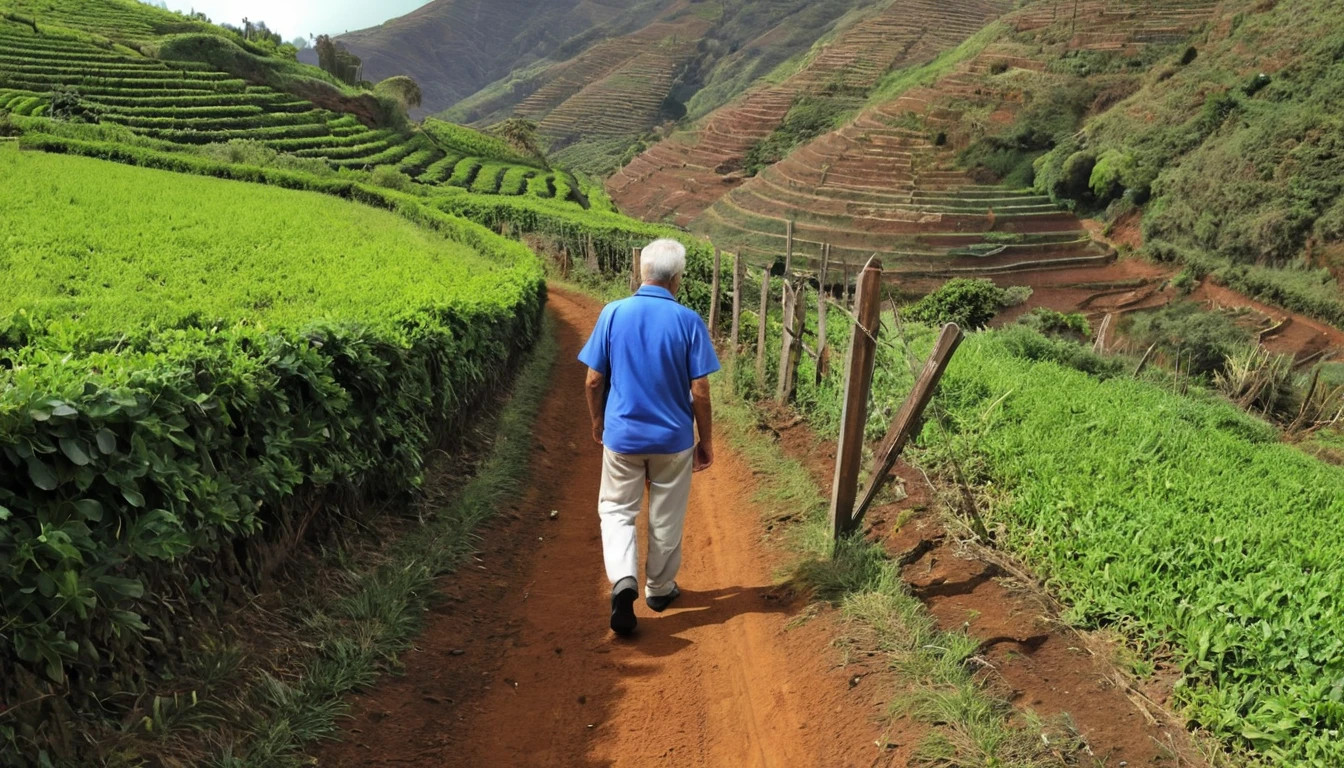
<point>1232,146</point>
<point>181,398</point>
<point>1176,519</point>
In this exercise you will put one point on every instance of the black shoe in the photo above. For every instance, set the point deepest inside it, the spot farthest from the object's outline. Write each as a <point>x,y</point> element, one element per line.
<point>659,604</point>
<point>623,597</point>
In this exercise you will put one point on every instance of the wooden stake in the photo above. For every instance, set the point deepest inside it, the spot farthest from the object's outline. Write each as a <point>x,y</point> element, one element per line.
<point>908,420</point>
<point>788,249</point>
<point>821,312</point>
<point>795,314</point>
<point>760,327</point>
<point>714,297</point>
<point>590,256</point>
<point>858,386</point>
<point>738,275</point>
<point>634,269</point>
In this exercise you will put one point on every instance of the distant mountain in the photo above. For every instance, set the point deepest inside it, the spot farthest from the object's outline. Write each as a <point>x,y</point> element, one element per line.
<point>453,48</point>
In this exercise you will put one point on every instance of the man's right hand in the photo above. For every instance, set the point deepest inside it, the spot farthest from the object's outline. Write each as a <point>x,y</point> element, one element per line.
<point>598,429</point>
<point>704,457</point>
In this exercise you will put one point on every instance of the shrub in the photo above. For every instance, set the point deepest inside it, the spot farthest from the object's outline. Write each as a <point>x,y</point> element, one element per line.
<point>390,178</point>
<point>1049,322</point>
<point>969,303</point>
<point>1029,343</point>
<point>1201,341</point>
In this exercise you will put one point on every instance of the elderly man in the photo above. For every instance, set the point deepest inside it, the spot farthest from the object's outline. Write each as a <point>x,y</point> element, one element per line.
<point>648,362</point>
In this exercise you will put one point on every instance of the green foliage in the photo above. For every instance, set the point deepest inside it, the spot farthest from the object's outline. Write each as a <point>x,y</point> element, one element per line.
<point>1053,323</point>
<point>1199,340</point>
<point>1181,521</point>
<point>179,370</point>
<point>808,118</point>
<point>1050,117</point>
<point>970,303</point>
<point>476,144</point>
<point>1034,344</point>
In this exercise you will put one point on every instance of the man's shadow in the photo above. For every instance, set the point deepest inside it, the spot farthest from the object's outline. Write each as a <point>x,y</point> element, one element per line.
<point>660,635</point>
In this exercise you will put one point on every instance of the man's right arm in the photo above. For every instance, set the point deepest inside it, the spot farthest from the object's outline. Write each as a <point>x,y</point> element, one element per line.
<point>704,423</point>
<point>595,388</point>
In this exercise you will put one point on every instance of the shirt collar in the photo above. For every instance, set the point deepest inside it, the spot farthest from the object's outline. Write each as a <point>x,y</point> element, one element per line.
<point>657,292</point>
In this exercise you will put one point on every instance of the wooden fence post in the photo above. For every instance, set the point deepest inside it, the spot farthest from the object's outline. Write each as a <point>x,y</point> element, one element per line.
<point>590,256</point>
<point>844,291</point>
<point>821,312</point>
<point>714,297</point>
<point>760,327</point>
<point>795,315</point>
<point>906,424</point>
<point>738,270</point>
<point>634,269</point>
<point>858,386</point>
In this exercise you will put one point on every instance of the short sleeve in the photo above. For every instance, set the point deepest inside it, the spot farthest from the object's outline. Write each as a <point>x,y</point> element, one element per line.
<point>704,360</point>
<point>595,353</point>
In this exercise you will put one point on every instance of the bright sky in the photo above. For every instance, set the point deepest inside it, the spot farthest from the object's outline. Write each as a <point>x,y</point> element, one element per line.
<point>300,18</point>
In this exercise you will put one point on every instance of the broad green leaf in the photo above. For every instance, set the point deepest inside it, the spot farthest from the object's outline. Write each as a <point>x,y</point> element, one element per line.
<point>133,497</point>
<point>41,475</point>
<point>74,451</point>
<point>90,509</point>
<point>107,441</point>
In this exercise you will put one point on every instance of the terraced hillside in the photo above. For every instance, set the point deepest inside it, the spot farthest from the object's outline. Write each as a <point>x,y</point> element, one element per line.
<point>678,178</point>
<point>453,48</point>
<point>53,65</point>
<point>894,182</point>
<point>616,88</point>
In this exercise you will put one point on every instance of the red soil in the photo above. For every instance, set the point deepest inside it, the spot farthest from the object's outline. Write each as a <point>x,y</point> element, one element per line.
<point>517,667</point>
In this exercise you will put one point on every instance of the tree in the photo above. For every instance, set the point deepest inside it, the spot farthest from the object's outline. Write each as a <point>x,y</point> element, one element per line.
<point>300,43</point>
<point>401,88</point>
<point>520,133</point>
<point>340,63</point>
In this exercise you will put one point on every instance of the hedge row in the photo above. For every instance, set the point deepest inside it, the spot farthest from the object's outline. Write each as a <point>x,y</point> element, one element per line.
<point>133,469</point>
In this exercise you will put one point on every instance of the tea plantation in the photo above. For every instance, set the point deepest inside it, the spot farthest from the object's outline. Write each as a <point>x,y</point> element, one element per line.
<point>185,364</point>
<point>123,63</point>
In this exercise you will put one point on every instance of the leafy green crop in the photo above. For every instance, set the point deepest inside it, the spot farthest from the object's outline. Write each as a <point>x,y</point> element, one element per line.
<point>187,364</point>
<point>1180,520</point>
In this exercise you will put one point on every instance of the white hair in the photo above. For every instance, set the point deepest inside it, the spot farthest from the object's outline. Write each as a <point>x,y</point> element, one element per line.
<point>662,261</point>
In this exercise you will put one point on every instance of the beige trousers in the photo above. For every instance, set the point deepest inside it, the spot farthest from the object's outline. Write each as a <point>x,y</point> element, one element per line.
<point>669,477</point>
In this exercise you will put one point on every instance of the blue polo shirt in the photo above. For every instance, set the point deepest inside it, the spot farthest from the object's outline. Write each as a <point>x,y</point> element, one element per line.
<point>650,349</point>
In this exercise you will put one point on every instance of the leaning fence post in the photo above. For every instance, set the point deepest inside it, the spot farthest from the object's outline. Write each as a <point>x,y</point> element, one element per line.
<point>635,253</point>
<point>788,249</point>
<point>858,386</point>
<point>737,300</point>
<point>760,327</point>
<point>714,297</point>
<point>906,424</point>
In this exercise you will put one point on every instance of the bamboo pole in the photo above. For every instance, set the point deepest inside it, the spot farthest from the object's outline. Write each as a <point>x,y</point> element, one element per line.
<point>760,326</point>
<point>795,315</point>
<point>738,276</point>
<point>714,296</point>
<point>821,312</point>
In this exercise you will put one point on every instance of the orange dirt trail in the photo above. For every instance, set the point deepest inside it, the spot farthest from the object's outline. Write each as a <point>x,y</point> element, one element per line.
<point>518,668</point>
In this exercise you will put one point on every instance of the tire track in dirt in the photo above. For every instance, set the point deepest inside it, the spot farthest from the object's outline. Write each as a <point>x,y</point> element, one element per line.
<point>517,667</point>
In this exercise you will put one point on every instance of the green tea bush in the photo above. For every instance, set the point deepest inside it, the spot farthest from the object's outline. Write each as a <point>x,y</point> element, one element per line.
<point>970,303</point>
<point>1029,343</point>
<point>1050,322</point>
<point>184,361</point>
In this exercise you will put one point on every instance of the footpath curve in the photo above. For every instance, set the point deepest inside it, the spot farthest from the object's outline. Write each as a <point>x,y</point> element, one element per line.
<point>517,668</point>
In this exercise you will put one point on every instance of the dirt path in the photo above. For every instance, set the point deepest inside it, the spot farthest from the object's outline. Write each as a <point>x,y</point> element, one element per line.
<point>517,668</point>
